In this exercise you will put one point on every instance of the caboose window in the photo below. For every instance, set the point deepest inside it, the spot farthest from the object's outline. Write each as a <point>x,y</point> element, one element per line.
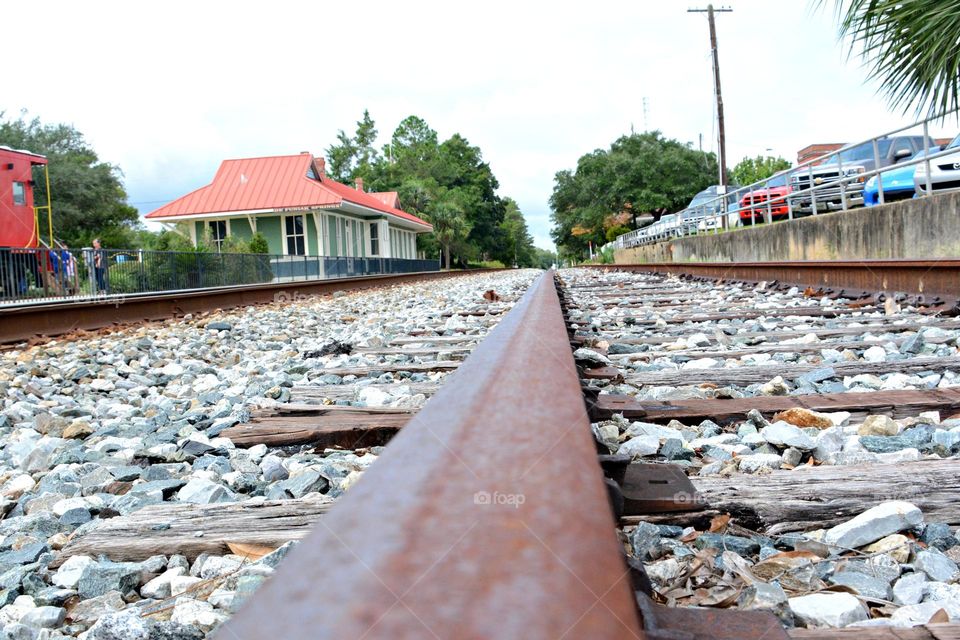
<point>19,194</point>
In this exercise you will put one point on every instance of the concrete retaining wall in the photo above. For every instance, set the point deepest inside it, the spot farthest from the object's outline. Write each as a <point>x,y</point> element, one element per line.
<point>921,228</point>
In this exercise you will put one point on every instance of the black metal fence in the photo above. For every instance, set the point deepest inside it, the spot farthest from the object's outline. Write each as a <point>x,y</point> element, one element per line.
<point>28,275</point>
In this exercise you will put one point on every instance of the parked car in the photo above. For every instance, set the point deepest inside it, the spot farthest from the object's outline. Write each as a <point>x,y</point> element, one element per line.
<point>944,171</point>
<point>648,233</point>
<point>670,226</point>
<point>853,161</point>
<point>890,151</point>
<point>756,204</point>
<point>689,220</point>
<point>706,209</point>
<point>897,183</point>
<point>828,198</point>
<point>726,220</point>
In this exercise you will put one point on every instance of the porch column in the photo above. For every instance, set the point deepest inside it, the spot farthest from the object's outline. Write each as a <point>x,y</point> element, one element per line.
<point>386,250</point>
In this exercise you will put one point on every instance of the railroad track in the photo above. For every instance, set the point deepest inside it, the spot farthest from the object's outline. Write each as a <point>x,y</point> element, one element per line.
<point>38,322</point>
<point>488,514</point>
<point>580,469</point>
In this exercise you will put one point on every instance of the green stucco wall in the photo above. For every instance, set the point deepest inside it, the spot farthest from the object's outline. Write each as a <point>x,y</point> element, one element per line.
<point>311,231</point>
<point>269,227</point>
<point>240,228</point>
<point>337,242</point>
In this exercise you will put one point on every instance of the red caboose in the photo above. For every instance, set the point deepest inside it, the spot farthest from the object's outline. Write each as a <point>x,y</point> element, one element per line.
<point>18,223</point>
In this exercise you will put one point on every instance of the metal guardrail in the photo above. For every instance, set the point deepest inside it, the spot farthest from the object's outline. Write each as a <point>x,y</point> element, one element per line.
<point>50,275</point>
<point>718,215</point>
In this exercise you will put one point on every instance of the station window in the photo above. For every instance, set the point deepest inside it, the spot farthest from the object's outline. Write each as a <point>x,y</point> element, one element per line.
<point>374,238</point>
<point>296,245</point>
<point>19,194</point>
<point>218,233</point>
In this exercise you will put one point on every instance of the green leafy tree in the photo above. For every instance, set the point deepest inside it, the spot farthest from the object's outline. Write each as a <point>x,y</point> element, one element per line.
<point>518,244</point>
<point>750,170</point>
<point>414,145</point>
<point>543,258</point>
<point>87,195</point>
<point>354,157</point>
<point>447,183</point>
<point>434,179</point>
<point>450,227</point>
<point>258,243</point>
<point>460,169</point>
<point>615,231</point>
<point>910,46</point>
<point>165,240</point>
<point>342,157</point>
<point>639,173</point>
<point>364,141</point>
<point>416,194</point>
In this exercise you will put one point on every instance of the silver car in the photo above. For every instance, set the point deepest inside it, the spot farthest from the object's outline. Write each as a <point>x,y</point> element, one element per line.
<point>944,171</point>
<point>670,225</point>
<point>808,182</point>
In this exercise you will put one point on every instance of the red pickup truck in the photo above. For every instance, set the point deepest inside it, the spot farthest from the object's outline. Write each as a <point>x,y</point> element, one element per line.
<point>753,205</point>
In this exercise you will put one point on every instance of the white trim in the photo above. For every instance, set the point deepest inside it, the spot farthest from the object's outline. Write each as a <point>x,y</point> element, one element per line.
<point>319,229</point>
<point>175,228</point>
<point>368,237</point>
<point>193,232</point>
<point>217,214</point>
<point>252,221</point>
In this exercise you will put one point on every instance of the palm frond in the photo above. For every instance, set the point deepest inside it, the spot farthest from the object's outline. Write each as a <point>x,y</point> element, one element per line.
<point>911,46</point>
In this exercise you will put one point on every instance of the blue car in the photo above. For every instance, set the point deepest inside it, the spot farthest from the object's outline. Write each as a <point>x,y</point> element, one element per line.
<point>897,183</point>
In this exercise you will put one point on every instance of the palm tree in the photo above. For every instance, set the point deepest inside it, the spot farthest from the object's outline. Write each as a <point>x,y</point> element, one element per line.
<point>911,46</point>
<point>450,226</point>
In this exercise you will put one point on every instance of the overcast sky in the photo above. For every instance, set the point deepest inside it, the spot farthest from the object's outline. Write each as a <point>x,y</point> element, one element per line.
<point>168,90</point>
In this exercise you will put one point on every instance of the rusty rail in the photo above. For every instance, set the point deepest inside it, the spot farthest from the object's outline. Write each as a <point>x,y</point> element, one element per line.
<point>486,517</point>
<point>54,319</point>
<point>913,278</point>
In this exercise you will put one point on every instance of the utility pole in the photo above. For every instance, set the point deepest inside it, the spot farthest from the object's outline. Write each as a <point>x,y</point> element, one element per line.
<point>716,83</point>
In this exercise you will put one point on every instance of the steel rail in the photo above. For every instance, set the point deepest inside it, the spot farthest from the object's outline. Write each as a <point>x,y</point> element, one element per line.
<point>54,319</point>
<point>487,516</point>
<point>929,278</point>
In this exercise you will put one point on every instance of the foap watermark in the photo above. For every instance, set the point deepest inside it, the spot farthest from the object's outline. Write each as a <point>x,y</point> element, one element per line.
<point>288,297</point>
<point>100,297</point>
<point>689,499</point>
<point>497,499</point>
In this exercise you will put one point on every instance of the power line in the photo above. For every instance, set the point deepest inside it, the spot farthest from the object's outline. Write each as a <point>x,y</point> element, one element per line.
<point>716,83</point>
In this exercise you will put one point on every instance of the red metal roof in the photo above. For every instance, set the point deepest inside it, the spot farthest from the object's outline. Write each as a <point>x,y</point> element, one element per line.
<point>389,198</point>
<point>368,200</point>
<point>266,184</point>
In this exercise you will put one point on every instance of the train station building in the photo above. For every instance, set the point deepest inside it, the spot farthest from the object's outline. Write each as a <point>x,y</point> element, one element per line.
<point>299,210</point>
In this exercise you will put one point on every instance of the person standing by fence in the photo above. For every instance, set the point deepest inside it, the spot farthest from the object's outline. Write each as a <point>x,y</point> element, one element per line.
<point>68,265</point>
<point>100,266</point>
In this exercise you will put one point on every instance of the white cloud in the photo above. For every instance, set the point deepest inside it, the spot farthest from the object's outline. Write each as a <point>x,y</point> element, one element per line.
<point>166,91</point>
